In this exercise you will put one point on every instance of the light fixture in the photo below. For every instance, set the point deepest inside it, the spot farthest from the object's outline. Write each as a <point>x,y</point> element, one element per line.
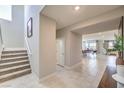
<point>77,8</point>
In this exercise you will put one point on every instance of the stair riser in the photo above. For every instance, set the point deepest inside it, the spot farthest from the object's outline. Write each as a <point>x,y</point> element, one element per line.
<point>8,52</point>
<point>13,64</point>
<point>1,62</point>
<point>14,76</point>
<point>16,59</point>
<point>10,56</point>
<point>13,70</point>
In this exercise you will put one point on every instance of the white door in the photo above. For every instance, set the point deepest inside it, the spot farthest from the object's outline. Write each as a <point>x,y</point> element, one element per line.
<point>60,52</point>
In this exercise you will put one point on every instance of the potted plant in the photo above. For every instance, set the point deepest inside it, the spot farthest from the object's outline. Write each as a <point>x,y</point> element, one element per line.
<point>118,45</point>
<point>119,76</point>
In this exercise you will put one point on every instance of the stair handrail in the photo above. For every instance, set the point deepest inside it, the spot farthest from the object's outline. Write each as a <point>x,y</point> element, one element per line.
<point>27,45</point>
<point>2,45</point>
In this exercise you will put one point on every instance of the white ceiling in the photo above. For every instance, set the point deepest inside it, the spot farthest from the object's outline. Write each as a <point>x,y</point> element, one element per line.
<point>109,35</point>
<point>65,15</point>
<point>100,27</point>
<point>6,12</point>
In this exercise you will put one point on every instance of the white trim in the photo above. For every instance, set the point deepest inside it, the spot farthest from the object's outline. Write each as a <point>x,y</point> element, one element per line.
<point>2,45</point>
<point>48,76</point>
<point>14,49</point>
<point>27,46</point>
<point>73,66</point>
<point>67,67</point>
<point>1,52</point>
<point>35,76</point>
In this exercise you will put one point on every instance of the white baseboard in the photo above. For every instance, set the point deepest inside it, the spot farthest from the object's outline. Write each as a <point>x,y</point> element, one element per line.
<point>35,76</point>
<point>67,67</point>
<point>73,66</point>
<point>46,77</point>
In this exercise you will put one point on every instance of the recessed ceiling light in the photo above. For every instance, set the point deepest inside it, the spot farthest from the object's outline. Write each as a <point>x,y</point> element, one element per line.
<point>77,8</point>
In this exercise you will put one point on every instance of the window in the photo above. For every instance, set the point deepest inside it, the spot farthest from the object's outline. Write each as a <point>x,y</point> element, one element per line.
<point>6,12</point>
<point>110,45</point>
<point>92,45</point>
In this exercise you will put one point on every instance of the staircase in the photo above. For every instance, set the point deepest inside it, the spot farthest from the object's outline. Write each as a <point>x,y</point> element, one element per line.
<point>13,64</point>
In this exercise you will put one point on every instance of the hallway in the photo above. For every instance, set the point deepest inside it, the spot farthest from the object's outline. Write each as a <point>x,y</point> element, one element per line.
<point>86,74</point>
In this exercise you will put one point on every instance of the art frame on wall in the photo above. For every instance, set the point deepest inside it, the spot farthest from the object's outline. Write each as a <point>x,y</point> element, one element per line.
<point>29,27</point>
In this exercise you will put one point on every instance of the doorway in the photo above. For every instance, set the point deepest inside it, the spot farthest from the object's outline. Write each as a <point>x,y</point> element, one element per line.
<point>60,52</point>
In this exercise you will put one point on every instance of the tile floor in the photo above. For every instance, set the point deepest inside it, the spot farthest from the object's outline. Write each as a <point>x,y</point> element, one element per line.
<point>85,75</point>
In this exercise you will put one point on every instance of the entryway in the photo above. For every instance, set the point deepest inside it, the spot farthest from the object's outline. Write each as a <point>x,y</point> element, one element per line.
<point>60,52</point>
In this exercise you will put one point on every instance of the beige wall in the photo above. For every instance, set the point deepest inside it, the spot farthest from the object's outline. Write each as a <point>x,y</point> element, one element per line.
<point>13,31</point>
<point>42,44</point>
<point>62,36</point>
<point>73,43</point>
<point>47,47</point>
<point>34,12</point>
<point>75,48</point>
